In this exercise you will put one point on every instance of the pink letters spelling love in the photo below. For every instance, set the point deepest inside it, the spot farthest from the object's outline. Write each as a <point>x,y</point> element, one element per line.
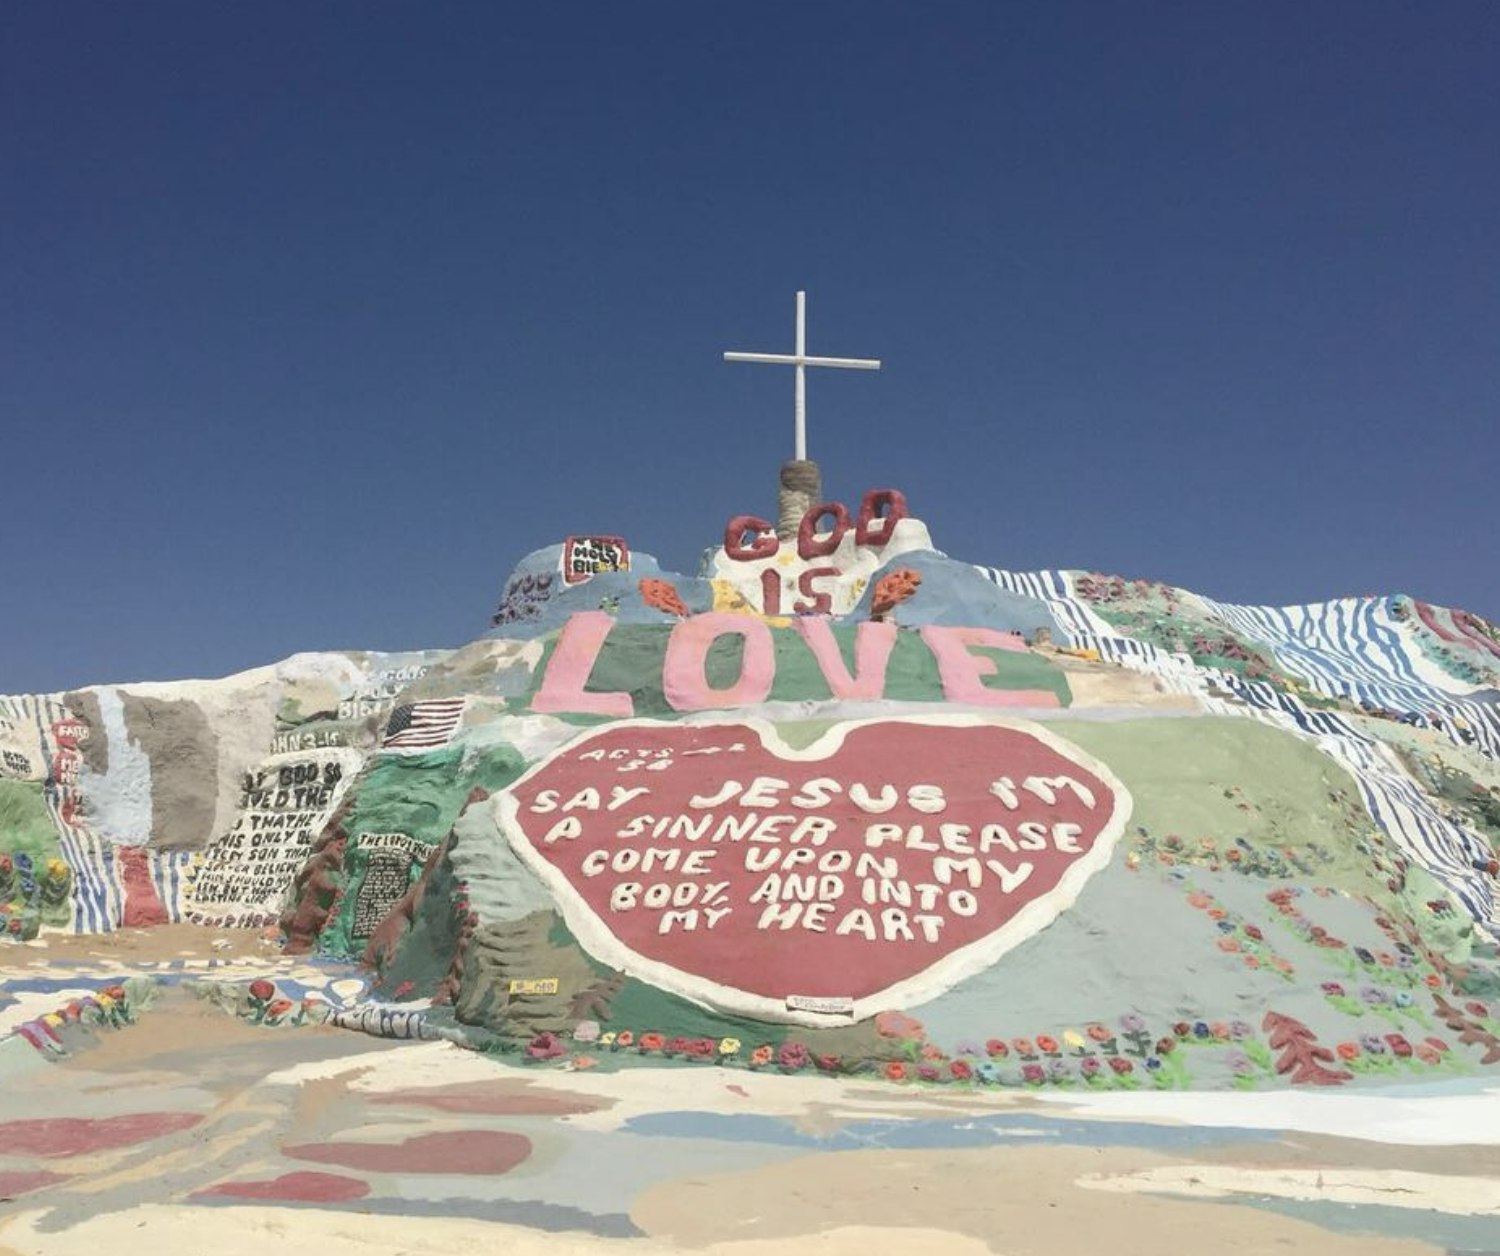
<point>685,679</point>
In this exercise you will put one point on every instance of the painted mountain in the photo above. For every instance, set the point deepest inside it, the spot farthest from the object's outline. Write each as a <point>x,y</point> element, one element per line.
<point>838,802</point>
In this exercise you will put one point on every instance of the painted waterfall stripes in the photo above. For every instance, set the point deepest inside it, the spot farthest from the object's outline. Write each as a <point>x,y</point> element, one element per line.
<point>1350,648</point>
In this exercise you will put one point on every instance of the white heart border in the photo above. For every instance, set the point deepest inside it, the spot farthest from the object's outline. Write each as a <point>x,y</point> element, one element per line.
<point>937,978</point>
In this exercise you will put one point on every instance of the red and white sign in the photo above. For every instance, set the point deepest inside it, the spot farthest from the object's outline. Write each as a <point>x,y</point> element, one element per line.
<point>872,869</point>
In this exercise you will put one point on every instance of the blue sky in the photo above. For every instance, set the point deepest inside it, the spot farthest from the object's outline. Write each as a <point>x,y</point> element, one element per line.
<point>315,317</point>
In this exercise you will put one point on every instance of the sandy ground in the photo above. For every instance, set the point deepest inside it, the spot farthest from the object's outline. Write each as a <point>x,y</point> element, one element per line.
<point>374,1147</point>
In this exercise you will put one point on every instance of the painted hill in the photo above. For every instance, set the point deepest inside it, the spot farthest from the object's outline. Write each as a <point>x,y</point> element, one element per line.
<point>837,802</point>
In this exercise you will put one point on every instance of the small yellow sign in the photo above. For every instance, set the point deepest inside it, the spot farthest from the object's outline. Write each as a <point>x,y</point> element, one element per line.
<point>533,985</point>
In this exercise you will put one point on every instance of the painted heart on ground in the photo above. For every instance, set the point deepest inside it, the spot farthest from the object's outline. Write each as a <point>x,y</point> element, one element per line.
<point>872,869</point>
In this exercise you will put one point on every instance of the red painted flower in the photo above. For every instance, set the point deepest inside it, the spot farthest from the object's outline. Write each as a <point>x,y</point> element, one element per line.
<point>931,1051</point>
<point>1121,1066</point>
<point>762,1055</point>
<point>996,1047</point>
<point>1046,1044</point>
<point>279,1008</point>
<point>1399,1045</point>
<point>262,989</point>
<point>1022,1046</point>
<point>1253,931</point>
<point>652,1042</point>
<point>1165,1046</point>
<point>898,1025</point>
<point>1438,1045</point>
<point>1099,1033</point>
<point>827,1063</point>
<point>118,992</point>
<point>793,1056</point>
<point>624,1038</point>
<point>961,1070</point>
<point>1477,1009</point>
<point>1433,980</point>
<point>1348,1050</point>
<point>895,1071</point>
<point>1182,1029</point>
<point>546,1046</point>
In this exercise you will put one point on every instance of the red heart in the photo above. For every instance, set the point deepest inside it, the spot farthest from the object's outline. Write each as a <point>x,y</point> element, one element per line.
<point>935,835</point>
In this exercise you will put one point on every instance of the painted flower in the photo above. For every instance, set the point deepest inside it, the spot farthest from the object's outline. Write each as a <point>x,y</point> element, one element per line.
<point>898,1025</point>
<point>1217,913</point>
<point>1058,1070</point>
<point>1152,1063</point>
<point>1199,899</point>
<point>928,1073</point>
<point>1347,1050</point>
<point>987,1072</point>
<point>1046,1044</point>
<point>961,1070</point>
<point>1099,1033</point>
<point>793,1056</point>
<point>931,1051</point>
<point>1239,1030</point>
<point>1121,1066</point>
<point>607,1040</point>
<point>966,1047</point>
<point>1182,1029</point>
<point>729,1046</point>
<point>1385,959</point>
<point>1372,1044</point>
<point>1281,965</point>
<point>262,989</point>
<point>581,1062</point>
<point>1090,1066</point>
<point>761,1056</point>
<point>996,1048</point>
<point>624,1038</point>
<point>1253,931</point>
<point>1427,1055</point>
<point>1240,1063</point>
<point>1220,1031</point>
<point>1132,1023</point>
<point>652,1041</point>
<point>278,1009</point>
<point>1165,1046</point>
<point>827,1063</point>
<point>1399,1045</point>
<point>895,1071</point>
<point>1438,1045</point>
<point>586,1031</point>
<point>1074,1039</point>
<point>545,1046</point>
<point>1033,1074</point>
<point>1332,988</point>
<point>1433,980</point>
<point>1229,945</point>
<point>1022,1046</point>
<point>1363,956</point>
<point>1403,999</point>
<point>1478,1010</point>
<point>1373,995</point>
<point>1201,1031</point>
<point>1226,926</point>
<point>117,992</point>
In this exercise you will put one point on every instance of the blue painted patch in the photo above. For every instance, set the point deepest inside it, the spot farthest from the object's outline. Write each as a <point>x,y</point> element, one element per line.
<point>991,1130</point>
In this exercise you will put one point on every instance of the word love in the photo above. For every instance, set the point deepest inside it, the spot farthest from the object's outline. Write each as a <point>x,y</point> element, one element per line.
<point>890,856</point>
<point>962,663</point>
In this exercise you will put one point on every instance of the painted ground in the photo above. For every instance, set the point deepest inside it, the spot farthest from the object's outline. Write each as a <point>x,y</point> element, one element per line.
<point>700,910</point>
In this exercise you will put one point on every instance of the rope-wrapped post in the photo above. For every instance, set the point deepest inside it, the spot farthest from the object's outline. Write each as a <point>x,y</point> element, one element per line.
<point>801,490</point>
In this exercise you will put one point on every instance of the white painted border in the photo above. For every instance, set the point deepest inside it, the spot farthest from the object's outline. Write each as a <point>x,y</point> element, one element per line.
<point>595,936</point>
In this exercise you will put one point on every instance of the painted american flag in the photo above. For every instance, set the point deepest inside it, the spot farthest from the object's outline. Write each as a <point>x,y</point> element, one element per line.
<point>422,725</point>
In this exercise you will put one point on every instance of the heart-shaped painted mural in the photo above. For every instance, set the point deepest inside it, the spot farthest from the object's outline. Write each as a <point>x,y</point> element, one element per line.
<point>869,870</point>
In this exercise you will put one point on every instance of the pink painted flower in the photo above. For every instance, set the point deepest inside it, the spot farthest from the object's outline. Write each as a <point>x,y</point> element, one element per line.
<point>546,1046</point>
<point>996,1048</point>
<point>1033,1073</point>
<point>793,1056</point>
<point>1121,1066</point>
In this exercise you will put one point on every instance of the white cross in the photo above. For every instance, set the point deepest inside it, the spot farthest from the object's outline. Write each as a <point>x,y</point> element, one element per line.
<point>800,360</point>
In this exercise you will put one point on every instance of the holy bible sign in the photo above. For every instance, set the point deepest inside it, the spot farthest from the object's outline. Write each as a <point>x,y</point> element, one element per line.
<point>871,869</point>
